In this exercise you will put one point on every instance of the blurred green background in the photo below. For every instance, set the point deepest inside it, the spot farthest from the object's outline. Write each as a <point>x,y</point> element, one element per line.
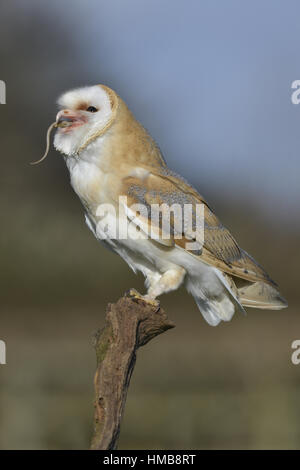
<point>195,387</point>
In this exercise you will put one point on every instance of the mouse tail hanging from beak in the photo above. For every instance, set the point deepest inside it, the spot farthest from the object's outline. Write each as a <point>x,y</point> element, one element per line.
<point>54,124</point>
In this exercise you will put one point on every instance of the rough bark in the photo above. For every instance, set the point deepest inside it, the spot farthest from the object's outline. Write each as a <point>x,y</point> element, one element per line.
<point>130,323</point>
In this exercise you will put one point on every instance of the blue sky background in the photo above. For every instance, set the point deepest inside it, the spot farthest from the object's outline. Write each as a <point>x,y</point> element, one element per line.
<point>211,81</point>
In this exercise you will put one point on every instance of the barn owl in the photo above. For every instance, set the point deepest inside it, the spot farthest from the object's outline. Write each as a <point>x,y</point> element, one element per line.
<point>112,158</point>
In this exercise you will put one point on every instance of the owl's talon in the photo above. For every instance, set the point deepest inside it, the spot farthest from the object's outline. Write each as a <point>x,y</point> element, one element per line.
<point>136,296</point>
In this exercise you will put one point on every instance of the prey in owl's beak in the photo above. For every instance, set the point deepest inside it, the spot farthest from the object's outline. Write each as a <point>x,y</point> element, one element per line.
<point>68,120</point>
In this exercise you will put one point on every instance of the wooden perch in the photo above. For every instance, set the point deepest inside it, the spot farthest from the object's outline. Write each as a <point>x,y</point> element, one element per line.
<point>130,323</point>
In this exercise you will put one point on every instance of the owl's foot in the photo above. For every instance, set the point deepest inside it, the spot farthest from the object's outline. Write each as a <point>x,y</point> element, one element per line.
<point>135,295</point>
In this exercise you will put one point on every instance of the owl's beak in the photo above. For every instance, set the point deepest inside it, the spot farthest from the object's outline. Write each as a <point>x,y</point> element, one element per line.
<point>69,118</point>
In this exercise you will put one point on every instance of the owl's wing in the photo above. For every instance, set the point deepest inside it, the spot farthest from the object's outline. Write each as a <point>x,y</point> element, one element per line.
<point>162,186</point>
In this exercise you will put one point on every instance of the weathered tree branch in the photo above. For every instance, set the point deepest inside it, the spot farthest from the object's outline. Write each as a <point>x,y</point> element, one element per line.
<point>130,323</point>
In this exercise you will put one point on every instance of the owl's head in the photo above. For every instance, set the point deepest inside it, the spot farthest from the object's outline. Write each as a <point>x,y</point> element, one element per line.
<point>85,114</point>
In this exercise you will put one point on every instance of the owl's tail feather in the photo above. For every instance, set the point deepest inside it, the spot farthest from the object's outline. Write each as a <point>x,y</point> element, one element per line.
<point>221,303</point>
<point>214,312</point>
<point>261,295</point>
<point>216,300</point>
<point>219,295</point>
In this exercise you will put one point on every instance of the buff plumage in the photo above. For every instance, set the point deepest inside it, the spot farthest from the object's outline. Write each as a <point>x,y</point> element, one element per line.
<point>110,155</point>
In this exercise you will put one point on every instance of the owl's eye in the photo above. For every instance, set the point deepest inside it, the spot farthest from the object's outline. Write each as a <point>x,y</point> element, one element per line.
<point>92,109</point>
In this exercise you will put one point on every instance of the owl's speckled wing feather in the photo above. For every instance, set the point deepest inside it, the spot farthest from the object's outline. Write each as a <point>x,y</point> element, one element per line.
<point>161,185</point>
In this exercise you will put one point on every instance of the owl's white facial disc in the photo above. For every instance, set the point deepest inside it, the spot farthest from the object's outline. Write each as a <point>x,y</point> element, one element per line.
<point>83,112</point>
